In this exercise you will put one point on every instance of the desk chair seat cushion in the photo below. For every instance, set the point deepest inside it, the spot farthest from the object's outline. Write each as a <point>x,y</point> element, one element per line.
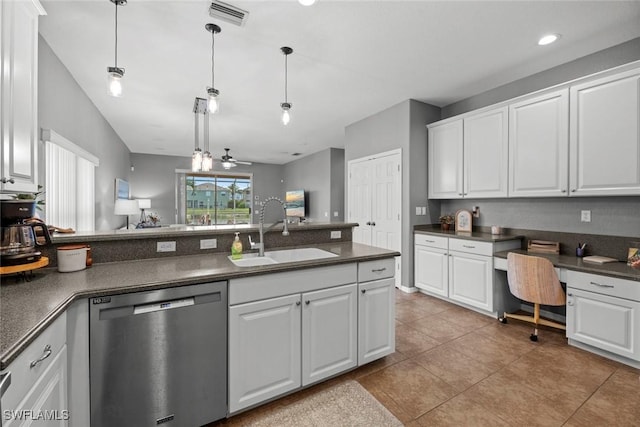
<point>534,279</point>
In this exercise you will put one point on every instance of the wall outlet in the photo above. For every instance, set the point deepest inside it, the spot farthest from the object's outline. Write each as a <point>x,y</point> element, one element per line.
<point>585,216</point>
<point>418,210</point>
<point>336,234</point>
<point>424,210</point>
<point>335,213</point>
<point>208,243</point>
<point>166,247</point>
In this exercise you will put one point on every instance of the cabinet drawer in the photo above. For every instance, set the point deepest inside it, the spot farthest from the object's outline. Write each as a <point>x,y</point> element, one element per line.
<point>23,376</point>
<point>605,285</point>
<point>471,246</point>
<point>433,241</point>
<point>375,270</point>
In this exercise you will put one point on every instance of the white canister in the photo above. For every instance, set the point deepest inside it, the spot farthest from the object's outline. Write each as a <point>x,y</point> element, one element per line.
<point>496,230</point>
<point>73,258</point>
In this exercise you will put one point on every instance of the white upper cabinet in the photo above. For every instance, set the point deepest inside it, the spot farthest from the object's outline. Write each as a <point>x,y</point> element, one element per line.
<point>539,146</point>
<point>19,88</point>
<point>445,161</point>
<point>605,139</point>
<point>469,157</point>
<point>486,148</point>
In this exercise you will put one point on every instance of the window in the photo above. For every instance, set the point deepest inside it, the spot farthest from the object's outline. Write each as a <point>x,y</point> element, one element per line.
<point>213,199</point>
<point>69,183</point>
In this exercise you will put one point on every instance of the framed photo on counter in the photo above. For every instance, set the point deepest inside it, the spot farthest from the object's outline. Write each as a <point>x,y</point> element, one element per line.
<point>463,221</point>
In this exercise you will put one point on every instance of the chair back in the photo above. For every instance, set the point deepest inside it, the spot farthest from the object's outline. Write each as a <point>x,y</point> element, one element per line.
<point>534,279</point>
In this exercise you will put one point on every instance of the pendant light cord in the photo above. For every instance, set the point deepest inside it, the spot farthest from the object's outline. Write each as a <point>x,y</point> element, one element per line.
<point>116,27</point>
<point>212,60</point>
<point>285,77</point>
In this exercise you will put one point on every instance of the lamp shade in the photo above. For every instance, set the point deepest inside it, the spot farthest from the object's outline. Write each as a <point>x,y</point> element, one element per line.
<point>144,203</point>
<point>126,207</point>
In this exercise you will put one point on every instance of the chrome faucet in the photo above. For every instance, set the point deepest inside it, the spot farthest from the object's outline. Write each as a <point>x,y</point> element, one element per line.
<point>285,231</point>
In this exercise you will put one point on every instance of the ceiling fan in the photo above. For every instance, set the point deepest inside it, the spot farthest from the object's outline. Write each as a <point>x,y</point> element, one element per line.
<point>229,162</point>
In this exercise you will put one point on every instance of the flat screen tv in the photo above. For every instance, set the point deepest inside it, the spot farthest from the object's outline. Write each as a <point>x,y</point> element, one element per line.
<point>295,203</point>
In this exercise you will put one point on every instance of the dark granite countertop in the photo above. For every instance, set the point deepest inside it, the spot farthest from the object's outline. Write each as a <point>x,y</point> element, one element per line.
<point>618,269</point>
<point>474,235</point>
<point>185,230</point>
<point>27,308</point>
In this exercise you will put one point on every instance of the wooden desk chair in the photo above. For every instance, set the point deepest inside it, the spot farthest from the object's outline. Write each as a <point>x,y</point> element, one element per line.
<point>534,279</point>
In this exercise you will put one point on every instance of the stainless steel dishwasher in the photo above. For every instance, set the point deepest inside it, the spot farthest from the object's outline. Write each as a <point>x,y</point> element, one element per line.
<point>159,357</point>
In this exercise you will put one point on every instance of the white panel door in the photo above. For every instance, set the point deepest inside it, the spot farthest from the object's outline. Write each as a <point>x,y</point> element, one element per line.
<point>471,280</point>
<point>329,331</point>
<point>605,136</point>
<point>605,322</point>
<point>486,155</point>
<point>431,270</point>
<point>375,202</point>
<point>359,200</point>
<point>376,320</point>
<point>445,145</point>
<point>539,146</point>
<point>264,350</point>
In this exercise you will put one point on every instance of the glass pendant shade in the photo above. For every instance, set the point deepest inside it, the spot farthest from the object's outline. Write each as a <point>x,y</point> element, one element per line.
<point>286,116</point>
<point>196,160</point>
<point>115,81</point>
<point>207,161</point>
<point>213,103</point>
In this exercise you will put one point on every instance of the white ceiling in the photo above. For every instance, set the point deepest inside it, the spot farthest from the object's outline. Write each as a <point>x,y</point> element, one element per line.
<point>351,59</point>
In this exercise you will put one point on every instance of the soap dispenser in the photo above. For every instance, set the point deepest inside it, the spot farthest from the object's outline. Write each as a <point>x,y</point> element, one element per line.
<point>236,247</point>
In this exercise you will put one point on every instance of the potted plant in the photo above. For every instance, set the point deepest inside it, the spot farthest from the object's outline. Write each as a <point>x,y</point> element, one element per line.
<point>446,221</point>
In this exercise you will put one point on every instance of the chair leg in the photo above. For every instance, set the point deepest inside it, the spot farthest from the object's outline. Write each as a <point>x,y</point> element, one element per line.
<point>536,319</point>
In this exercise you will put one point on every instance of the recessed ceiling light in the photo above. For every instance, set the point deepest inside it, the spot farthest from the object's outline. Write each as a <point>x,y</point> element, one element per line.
<point>306,2</point>
<point>548,39</point>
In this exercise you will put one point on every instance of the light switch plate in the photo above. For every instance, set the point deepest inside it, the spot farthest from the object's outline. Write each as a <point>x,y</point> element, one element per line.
<point>208,243</point>
<point>418,210</point>
<point>336,234</point>
<point>166,247</point>
<point>585,216</point>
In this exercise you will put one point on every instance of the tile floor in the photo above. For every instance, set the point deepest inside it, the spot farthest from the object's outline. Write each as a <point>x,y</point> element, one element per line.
<point>455,367</point>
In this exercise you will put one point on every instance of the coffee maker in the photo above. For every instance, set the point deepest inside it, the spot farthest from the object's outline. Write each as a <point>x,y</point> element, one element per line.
<point>20,233</point>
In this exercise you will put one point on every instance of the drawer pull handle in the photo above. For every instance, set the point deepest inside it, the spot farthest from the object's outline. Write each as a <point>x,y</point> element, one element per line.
<point>307,302</point>
<point>378,270</point>
<point>297,302</point>
<point>47,353</point>
<point>602,286</point>
<point>468,246</point>
<point>364,291</point>
<point>430,241</point>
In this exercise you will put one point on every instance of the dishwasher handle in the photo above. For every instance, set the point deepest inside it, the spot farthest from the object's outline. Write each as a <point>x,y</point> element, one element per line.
<point>162,306</point>
<point>5,382</point>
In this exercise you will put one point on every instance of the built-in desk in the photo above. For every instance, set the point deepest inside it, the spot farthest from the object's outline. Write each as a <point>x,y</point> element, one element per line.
<point>603,305</point>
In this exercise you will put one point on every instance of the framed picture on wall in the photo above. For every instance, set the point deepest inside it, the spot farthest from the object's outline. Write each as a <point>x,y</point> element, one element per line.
<point>121,189</point>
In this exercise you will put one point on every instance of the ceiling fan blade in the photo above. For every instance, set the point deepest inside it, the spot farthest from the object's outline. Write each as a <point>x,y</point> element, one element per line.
<point>240,162</point>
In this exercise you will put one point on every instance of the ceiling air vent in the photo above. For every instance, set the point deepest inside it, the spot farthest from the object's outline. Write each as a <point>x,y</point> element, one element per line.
<point>228,13</point>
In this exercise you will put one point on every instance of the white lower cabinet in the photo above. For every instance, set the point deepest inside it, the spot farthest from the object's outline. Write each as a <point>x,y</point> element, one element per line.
<point>376,319</point>
<point>280,344</point>
<point>470,279</point>
<point>38,391</point>
<point>461,270</point>
<point>604,313</point>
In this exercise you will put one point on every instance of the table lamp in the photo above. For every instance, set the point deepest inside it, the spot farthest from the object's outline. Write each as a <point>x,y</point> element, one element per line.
<point>126,207</point>
<point>142,205</point>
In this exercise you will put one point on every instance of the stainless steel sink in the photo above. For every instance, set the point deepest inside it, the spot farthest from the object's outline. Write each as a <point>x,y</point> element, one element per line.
<point>282,256</point>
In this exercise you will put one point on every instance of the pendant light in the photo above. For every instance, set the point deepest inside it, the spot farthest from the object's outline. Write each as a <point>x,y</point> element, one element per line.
<point>212,92</point>
<point>196,158</point>
<point>115,74</point>
<point>286,105</point>
<point>207,158</point>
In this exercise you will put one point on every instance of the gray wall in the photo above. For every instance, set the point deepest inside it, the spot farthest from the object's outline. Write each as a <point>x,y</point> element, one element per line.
<point>400,126</point>
<point>618,216</point>
<point>154,177</point>
<point>608,58</point>
<point>65,108</point>
<point>321,175</point>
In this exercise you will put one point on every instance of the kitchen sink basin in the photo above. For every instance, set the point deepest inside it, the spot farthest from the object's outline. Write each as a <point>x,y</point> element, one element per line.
<point>282,256</point>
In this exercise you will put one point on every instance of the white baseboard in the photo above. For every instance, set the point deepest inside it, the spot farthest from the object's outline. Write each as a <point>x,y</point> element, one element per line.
<point>407,289</point>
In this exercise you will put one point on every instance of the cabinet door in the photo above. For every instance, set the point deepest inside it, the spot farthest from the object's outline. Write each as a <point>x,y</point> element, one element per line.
<point>376,320</point>
<point>445,161</point>
<point>605,136</point>
<point>47,399</point>
<point>264,350</point>
<point>486,156</point>
<point>431,270</point>
<point>608,323</point>
<point>19,95</point>
<point>539,146</point>
<point>329,332</point>
<point>471,280</point>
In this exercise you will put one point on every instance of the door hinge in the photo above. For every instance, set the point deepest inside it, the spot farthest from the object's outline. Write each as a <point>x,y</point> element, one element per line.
<point>398,168</point>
